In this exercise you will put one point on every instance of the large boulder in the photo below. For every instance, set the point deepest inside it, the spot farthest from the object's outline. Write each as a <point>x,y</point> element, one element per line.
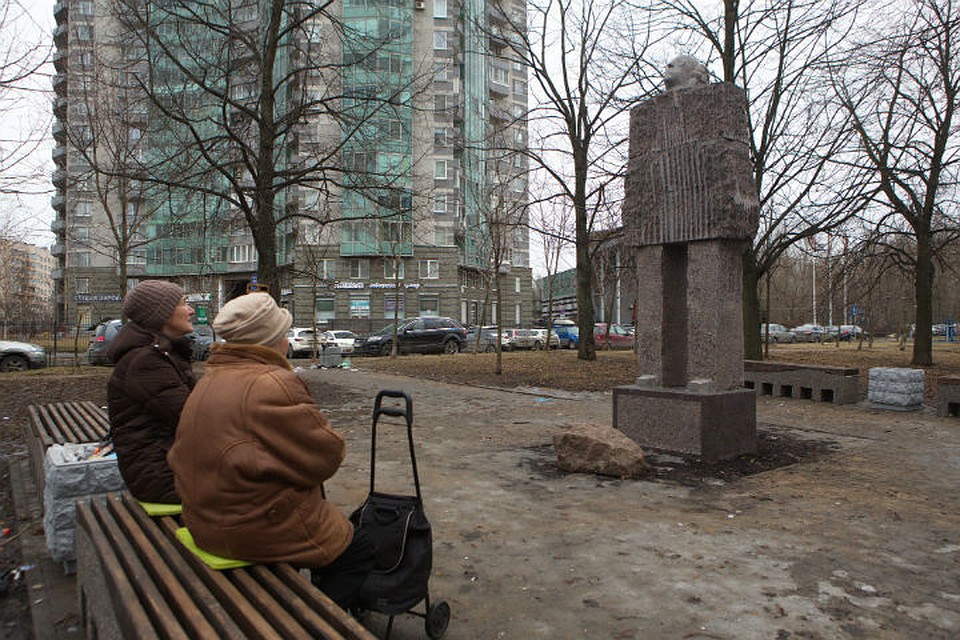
<point>601,449</point>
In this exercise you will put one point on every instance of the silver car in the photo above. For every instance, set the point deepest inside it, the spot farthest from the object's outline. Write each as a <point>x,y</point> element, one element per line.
<point>20,356</point>
<point>777,333</point>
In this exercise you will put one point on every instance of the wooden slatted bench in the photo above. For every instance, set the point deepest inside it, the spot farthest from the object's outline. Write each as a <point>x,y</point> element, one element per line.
<point>838,385</point>
<point>62,423</point>
<point>135,580</point>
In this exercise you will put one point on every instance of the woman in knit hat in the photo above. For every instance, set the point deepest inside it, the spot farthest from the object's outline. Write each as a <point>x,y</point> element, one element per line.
<point>149,386</point>
<point>252,453</point>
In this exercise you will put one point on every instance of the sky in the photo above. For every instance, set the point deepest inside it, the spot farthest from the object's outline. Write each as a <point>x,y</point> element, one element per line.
<point>23,112</point>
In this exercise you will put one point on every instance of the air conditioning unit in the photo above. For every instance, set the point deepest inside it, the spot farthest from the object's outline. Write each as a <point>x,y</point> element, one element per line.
<point>418,4</point>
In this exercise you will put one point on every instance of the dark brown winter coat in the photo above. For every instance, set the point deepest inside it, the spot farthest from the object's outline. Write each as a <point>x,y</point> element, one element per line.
<point>252,452</point>
<point>145,395</point>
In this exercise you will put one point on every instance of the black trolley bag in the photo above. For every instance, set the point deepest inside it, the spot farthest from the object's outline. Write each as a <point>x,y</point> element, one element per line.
<point>399,528</point>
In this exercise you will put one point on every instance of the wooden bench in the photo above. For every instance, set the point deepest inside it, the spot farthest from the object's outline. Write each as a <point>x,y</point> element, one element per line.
<point>838,385</point>
<point>135,580</point>
<point>948,396</point>
<point>62,423</point>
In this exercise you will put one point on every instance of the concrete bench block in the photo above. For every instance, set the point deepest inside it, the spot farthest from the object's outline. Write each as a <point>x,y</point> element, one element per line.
<point>804,382</point>
<point>895,388</point>
<point>948,396</point>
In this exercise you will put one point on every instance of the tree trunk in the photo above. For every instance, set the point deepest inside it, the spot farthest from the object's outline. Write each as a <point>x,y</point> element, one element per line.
<point>923,280</point>
<point>752,342</point>
<point>587,349</point>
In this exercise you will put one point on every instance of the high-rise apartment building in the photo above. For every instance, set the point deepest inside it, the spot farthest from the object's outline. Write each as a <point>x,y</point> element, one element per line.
<point>423,214</point>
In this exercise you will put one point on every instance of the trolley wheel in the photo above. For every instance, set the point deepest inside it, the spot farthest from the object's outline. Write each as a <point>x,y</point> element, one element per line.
<point>438,617</point>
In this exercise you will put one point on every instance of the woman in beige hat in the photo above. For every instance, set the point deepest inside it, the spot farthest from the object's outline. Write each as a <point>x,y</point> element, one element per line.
<point>252,453</point>
<point>149,385</point>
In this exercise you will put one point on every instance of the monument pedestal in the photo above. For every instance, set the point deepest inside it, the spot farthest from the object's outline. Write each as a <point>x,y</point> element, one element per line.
<point>714,425</point>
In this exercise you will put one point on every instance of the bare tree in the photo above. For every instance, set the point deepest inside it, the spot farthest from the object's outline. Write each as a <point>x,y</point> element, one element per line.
<point>553,224</point>
<point>901,88</point>
<point>776,51</point>
<point>235,89</point>
<point>586,62</point>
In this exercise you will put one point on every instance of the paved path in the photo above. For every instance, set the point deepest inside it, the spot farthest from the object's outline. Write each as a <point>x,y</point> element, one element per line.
<point>862,543</point>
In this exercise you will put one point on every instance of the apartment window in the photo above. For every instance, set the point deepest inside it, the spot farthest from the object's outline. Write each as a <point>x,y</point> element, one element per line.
<point>81,259</point>
<point>325,309</point>
<point>84,32</point>
<point>440,170</point>
<point>393,304</point>
<point>137,258</point>
<point>440,40</point>
<point>83,210</point>
<point>83,285</point>
<point>360,269</point>
<point>517,315</point>
<point>429,269</point>
<point>516,286</point>
<point>393,130</point>
<point>134,134</point>
<point>359,306</point>
<point>440,137</point>
<point>441,72</point>
<point>429,306</point>
<point>241,253</point>
<point>440,103</point>
<point>81,233</point>
<point>519,88</point>
<point>327,269</point>
<point>444,236</point>
<point>439,8</point>
<point>440,203</point>
<point>85,8</point>
<point>500,75</point>
<point>393,269</point>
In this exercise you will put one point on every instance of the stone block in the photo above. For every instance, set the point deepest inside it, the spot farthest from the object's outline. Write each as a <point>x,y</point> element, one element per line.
<point>600,449</point>
<point>714,426</point>
<point>895,388</point>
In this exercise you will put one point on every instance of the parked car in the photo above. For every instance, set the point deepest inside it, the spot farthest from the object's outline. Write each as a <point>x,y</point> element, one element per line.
<point>303,342</point>
<point>203,338</point>
<point>103,335</point>
<point>616,337</point>
<point>553,342</point>
<point>430,334</point>
<point>340,337</point>
<point>809,333</point>
<point>487,342</point>
<point>516,339</point>
<point>568,333</point>
<point>776,333</point>
<point>20,356</point>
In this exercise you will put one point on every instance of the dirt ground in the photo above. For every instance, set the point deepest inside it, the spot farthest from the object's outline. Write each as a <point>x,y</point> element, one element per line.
<point>794,435</point>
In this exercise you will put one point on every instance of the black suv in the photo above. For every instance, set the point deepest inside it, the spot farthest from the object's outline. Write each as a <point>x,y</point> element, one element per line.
<point>417,335</point>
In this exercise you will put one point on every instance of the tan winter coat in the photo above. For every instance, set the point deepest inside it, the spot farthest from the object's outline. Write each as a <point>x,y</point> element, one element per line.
<point>251,452</point>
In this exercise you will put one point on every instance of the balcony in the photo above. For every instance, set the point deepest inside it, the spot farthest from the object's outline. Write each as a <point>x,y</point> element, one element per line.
<point>60,61</point>
<point>60,179</point>
<point>57,250</point>
<point>57,274</point>
<point>60,84</point>
<point>59,203</point>
<point>58,224</point>
<point>59,155</point>
<point>60,36</point>
<point>60,11</point>
<point>59,131</point>
<point>60,108</point>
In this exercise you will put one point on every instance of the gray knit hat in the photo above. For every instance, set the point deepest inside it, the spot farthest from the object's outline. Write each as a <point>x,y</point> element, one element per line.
<point>151,303</point>
<point>253,318</point>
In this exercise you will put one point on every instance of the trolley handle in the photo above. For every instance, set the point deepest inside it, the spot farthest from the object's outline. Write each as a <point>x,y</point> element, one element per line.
<point>405,412</point>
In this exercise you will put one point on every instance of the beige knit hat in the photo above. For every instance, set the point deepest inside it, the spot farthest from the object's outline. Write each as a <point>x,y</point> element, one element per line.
<point>151,303</point>
<point>253,318</point>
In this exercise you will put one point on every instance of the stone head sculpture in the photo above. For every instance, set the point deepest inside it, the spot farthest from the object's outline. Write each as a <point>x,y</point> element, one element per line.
<point>684,72</point>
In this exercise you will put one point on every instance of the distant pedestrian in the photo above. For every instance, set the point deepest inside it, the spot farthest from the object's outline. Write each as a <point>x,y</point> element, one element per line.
<point>253,450</point>
<point>149,386</point>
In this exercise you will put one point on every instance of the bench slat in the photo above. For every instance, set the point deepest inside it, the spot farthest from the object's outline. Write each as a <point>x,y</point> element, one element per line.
<point>196,607</point>
<point>319,607</point>
<point>247,618</point>
<point>135,598</point>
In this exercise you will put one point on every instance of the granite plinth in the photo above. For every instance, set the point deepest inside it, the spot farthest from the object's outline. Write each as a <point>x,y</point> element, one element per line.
<point>714,426</point>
